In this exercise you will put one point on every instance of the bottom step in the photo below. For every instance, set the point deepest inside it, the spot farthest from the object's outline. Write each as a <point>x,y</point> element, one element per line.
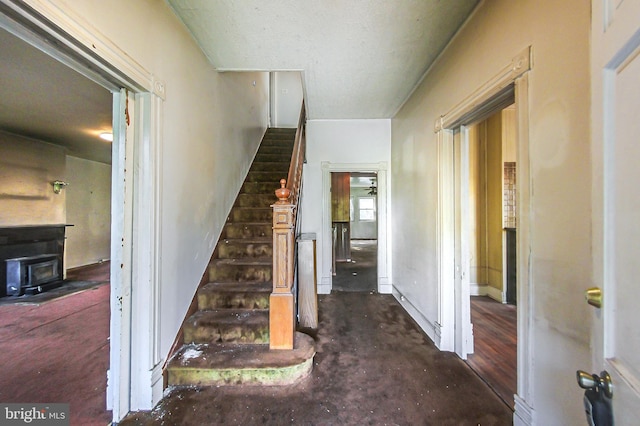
<point>220,364</point>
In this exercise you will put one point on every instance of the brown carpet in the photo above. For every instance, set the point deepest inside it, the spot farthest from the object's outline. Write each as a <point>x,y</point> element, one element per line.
<point>373,366</point>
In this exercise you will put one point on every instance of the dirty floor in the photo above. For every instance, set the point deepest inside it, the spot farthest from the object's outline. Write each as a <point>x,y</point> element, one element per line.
<point>373,366</point>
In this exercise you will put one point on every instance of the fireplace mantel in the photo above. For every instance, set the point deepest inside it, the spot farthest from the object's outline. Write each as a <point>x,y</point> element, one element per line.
<point>30,240</point>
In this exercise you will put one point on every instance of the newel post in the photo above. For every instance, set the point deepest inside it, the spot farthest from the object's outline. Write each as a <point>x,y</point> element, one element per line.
<point>281,301</point>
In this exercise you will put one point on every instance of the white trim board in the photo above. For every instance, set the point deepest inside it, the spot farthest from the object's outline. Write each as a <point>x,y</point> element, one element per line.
<point>476,289</point>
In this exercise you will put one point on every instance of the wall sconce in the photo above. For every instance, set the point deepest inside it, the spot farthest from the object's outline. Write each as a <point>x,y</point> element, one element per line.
<point>58,185</point>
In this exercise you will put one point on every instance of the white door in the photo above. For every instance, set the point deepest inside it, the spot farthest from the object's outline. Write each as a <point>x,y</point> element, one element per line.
<point>616,199</point>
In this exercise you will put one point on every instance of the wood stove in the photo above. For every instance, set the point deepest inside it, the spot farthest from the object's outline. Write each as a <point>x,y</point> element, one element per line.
<point>31,258</point>
<point>33,274</point>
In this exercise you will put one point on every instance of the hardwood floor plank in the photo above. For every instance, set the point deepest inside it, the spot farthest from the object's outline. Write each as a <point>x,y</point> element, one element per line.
<point>495,351</point>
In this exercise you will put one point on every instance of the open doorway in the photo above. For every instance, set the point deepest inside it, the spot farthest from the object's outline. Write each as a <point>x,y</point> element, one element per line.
<point>510,85</point>
<point>354,201</point>
<point>134,360</point>
<point>55,224</point>
<point>491,218</point>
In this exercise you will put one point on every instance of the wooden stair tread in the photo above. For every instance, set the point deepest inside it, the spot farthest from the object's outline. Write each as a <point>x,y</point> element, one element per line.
<point>231,286</point>
<point>243,261</point>
<point>229,316</point>
<point>248,240</point>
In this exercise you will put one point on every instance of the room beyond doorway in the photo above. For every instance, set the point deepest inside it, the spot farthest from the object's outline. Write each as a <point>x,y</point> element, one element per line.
<point>354,219</point>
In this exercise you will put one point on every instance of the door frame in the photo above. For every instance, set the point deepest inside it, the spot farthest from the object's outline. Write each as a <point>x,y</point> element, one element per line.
<point>326,279</point>
<point>453,330</point>
<point>134,378</point>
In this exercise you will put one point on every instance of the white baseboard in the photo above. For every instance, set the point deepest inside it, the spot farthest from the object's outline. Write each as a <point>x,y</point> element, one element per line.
<point>427,326</point>
<point>476,289</point>
<point>324,287</point>
<point>384,286</point>
<point>157,383</point>
<point>523,414</point>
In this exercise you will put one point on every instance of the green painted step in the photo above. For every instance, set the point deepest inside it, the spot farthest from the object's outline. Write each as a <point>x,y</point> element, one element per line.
<point>259,188</point>
<point>247,230</point>
<point>228,365</point>
<point>240,326</point>
<point>256,200</point>
<point>251,214</point>
<point>233,295</point>
<point>262,176</point>
<point>254,269</point>
<point>245,248</point>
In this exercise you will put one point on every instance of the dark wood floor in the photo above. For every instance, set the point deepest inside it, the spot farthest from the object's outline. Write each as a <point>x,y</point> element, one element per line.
<point>495,341</point>
<point>58,351</point>
<point>97,272</point>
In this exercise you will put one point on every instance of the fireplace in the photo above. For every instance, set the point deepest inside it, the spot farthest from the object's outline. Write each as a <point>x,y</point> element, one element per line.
<point>31,258</point>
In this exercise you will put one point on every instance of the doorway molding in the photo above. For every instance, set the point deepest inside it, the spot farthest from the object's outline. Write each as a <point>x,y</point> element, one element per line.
<point>384,285</point>
<point>134,379</point>
<point>454,329</point>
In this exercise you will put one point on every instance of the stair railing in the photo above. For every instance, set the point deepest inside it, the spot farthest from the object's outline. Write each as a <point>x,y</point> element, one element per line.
<point>282,302</point>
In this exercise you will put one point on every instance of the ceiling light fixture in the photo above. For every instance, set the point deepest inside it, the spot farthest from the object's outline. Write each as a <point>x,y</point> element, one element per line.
<point>107,136</point>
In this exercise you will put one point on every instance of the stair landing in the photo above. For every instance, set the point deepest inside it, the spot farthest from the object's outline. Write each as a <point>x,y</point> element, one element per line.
<point>220,364</point>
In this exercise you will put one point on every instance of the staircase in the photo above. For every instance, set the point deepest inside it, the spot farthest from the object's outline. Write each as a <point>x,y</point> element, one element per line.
<point>226,341</point>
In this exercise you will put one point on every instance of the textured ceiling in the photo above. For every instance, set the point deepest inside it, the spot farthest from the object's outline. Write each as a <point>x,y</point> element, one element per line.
<point>360,58</point>
<point>43,99</point>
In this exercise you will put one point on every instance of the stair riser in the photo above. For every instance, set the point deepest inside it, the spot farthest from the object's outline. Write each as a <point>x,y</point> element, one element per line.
<point>228,333</point>
<point>239,230</point>
<point>240,250</point>
<point>245,376</point>
<point>263,157</point>
<point>251,215</point>
<point>278,139</point>
<point>233,300</point>
<point>266,177</point>
<point>275,150</point>
<point>255,200</point>
<point>259,188</point>
<point>226,272</point>
<point>270,167</point>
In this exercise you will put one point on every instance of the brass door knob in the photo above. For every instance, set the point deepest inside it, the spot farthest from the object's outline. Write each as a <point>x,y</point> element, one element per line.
<point>594,297</point>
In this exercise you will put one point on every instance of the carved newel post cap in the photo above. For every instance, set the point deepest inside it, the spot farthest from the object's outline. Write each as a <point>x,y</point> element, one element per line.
<point>283,193</point>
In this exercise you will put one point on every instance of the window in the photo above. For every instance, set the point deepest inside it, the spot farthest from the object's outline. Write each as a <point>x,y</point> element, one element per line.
<point>367,208</point>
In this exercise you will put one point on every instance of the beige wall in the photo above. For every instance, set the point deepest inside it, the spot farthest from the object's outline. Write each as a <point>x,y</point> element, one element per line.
<point>27,168</point>
<point>494,171</point>
<point>89,211</point>
<point>485,204</point>
<point>559,164</point>
<point>478,207</point>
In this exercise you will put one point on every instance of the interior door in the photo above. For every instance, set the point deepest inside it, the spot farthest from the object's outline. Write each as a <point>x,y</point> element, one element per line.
<point>616,150</point>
